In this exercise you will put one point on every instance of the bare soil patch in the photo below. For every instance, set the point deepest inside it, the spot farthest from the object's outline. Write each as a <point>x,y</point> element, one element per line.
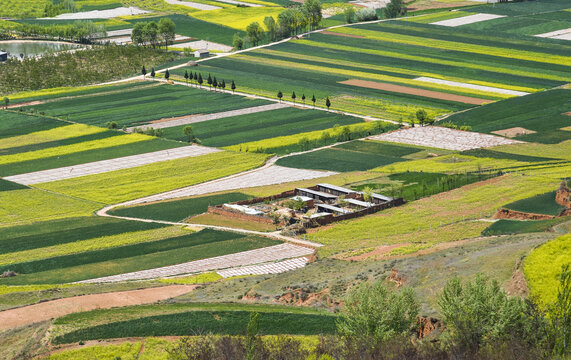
<point>377,252</point>
<point>516,285</point>
<point>519,215</point>
<point>57,308</point>
<point>344,35</point>
<point>568,113</point>
<point>513,132</point>
<point>414,91</point>
<point>29,103</point>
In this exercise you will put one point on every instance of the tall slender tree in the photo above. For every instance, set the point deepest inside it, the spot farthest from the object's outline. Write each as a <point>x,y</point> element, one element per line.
<point>233,86</point>
<point>144,71</point>
<point>200,81</point>
<point>167,74</point>
<point>209,81</point>
<point>314,100</point>
<point>223,85</point>
<point>293,97</point>
<point>153,73</point>
<point>303,98</point>
<point>186,77</point>
<point>196,78</point>
<point>280,95</point>
<point>327,103</point>
<point>215,83</point>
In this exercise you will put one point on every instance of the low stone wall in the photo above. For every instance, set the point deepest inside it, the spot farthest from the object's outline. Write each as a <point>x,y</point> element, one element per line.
<point>367,211</point>
<point>283,195</point>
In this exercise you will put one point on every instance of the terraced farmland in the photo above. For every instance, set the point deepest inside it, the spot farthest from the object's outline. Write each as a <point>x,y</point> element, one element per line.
<point>397,55</point>
<point>141,103</point>
<point>98,255</point>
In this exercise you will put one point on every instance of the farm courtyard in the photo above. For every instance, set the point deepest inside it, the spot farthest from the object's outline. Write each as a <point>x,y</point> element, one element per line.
<point>325,189</point>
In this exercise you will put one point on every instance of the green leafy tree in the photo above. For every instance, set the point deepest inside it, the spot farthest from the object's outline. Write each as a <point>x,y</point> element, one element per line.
<point>138,34</point>
<point>167,30</point>
<point>376,313</point>
<point>233,86</point>
<point>367,193</point>
<point>271,28</point>
<point>421,116</point>
<point>479,311</point>
<point>167,74</point>
<point>287,22</point>
<point>303,98</point>
<point>189,133</point>
<point>395,9</point>
<point>280,95</point>
<point>151,33</point>
<point>144,71</point>
<point>254,33</point>
<point>325,136</point>
<point>313,9</point>
<point>252,331</point>
<point>327,103</point>
<point>349,15</point>
<point>237,42</point>
<point>6,102</point>
<point>293,97</point>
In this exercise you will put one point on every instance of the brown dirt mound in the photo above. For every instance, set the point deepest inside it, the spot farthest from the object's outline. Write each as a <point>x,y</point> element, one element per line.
<point>563,195</point>
<point>516,285</point>
<point>397,278</point>
<point>57,308</point>
<point>341,34</point>
<point>427,325</point>
<point>519,215</point>
<point>513,132</point>
<point>414,91</point>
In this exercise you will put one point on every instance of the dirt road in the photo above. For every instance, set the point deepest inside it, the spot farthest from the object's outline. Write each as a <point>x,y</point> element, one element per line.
<point>53,309</point>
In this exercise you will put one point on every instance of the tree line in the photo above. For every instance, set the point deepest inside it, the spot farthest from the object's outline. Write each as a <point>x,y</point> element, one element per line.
<point>79,31</point>
<point>154,34</point>
<point>290,22</point>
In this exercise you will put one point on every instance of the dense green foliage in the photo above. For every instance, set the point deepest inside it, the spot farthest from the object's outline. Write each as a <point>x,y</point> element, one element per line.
<point>541,112</point>
<point>375,312</point>
<point>77,31</point>
<point>195,28</point>
<point>177,210</point>
<point>217,322</point>
<point>88,66</point>
<point>539,204</point>
<point>259,126</point>
<point>117,260</point>
<point>136,105</point>
<point>503,226</point>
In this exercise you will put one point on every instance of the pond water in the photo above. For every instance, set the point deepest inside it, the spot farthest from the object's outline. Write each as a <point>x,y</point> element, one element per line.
<point>34,48</point>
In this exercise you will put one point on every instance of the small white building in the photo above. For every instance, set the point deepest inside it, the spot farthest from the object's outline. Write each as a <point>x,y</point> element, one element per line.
<point>201,53</point>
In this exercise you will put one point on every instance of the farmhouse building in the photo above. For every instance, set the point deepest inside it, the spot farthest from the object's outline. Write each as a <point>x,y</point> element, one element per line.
<point>201,53</point>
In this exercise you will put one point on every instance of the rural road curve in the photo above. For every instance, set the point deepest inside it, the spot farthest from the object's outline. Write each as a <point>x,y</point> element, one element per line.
<point>53,309</point>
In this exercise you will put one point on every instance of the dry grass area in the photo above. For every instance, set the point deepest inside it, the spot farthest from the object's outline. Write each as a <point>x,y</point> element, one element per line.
<point>513,132</point>
<point>424,220</point>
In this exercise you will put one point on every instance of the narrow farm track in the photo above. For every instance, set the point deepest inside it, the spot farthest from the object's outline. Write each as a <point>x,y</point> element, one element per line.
<point>52,309</point>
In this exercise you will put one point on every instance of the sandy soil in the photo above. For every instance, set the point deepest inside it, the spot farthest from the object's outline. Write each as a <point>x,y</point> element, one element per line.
<point>344,35</point>
<point>57,308</point>
<point>513,132</point>
<point>414,91</point>
<point>29,103</point>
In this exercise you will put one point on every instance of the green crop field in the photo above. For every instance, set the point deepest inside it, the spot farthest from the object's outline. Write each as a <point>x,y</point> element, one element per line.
<point>6,185</point>
<point>396,52</point>
<point>177,210</point>
<point>524,8</point>
<point>503,226</point>
<point>259,126</point>
<point>539,204</point>
<point>353,156</point>
<point>153,251</point>
<point>183,319</point>
<point>15,124</point>
<point>140,104</point>
<point>127,184</point>
<point>31,205</point>
<point>542,113</point>
<point>543,265</point>
<point>23,8</point>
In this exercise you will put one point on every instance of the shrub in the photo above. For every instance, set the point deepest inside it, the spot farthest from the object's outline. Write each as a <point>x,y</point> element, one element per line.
<point>366,14</point>
<point>375,313</point>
